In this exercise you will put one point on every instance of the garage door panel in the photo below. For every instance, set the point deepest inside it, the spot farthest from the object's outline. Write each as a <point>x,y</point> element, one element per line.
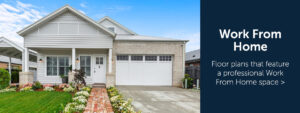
<point>154,73</point>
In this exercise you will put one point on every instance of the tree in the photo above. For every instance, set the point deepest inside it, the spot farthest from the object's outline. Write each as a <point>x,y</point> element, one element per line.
<point>4,78</point>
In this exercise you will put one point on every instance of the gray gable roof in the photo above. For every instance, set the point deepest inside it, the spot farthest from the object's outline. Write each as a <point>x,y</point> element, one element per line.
<point>192,55</point>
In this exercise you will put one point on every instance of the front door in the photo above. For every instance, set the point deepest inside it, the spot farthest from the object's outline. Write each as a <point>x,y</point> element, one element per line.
<point>99,69</point>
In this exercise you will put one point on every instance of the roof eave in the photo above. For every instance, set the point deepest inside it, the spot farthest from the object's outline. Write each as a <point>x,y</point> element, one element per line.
<point>118,24</point>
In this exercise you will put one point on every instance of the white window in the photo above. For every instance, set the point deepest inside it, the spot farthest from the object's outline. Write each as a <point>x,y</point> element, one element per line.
<point>63,65</point>
<point>136,58</point>
<point>52,66</point>
<point>151,58</point>
<point>57,65</point>
<point>112,29</point>
<point>99,60</point>
<point>165,58</point>
<point>122,57</point>
<point>85,64</point>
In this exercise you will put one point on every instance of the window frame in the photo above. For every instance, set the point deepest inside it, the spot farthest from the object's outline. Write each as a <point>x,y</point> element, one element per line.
<point>165,58</point>
<point>156,58</point>
<point>128,58</point>
<point>91,61</point>
<point>131,59</point>
<point>114,28</point>
<point>57,65</point>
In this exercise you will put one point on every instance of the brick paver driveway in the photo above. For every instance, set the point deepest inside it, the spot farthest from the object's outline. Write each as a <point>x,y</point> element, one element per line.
<point>162,99</point>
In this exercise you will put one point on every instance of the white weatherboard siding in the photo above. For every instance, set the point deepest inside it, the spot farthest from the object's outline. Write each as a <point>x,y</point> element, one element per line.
<point>68,31</point>
<point>3,44</point>
<point>42,69</point>
<point>118,29</point>
<point>153,73</point>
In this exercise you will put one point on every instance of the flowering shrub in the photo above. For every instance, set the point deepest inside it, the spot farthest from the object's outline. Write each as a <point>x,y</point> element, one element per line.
<point>79,97</point>
<point>80,101</point>
<point>27,85</point>
<point>78,104</point>
<point>86,88</point>
<point>8,90</point>
<point>13,85</point>
<point>82,93</point>
<point>48,89</point>
<point>26,89</point>
<point>69,89</point>
<point>62,86</point>
<point>119,104</point>
<point>47,85</point>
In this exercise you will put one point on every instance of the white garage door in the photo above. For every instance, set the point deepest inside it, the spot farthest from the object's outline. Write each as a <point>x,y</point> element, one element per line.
<point>154,70</point>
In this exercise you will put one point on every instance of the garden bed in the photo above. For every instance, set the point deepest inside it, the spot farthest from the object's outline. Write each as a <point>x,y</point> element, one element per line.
<point>119,104</point>
<point>33,102</point>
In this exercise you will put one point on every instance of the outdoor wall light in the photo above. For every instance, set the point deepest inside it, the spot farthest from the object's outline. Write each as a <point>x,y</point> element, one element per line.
<point>77,60</point>
<point>41,60</point>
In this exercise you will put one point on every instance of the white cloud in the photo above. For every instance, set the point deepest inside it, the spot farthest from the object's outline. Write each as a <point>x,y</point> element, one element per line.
<point>16,17</point>
<point>83,5</point>
<point>82,11</point>
<point>194,39</point>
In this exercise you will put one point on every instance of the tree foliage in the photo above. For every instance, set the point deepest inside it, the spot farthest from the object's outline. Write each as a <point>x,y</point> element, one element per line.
<point>4,78</point>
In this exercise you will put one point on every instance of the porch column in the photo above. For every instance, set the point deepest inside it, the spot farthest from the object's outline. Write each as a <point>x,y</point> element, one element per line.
<point>25,76</point>
<point>9,68</point>
<point>71,74</point>
<point>109,60</point>
<point>26,58</point>
<point>73,58</point>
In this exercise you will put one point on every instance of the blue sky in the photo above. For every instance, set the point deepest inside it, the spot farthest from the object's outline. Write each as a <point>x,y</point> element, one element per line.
<point>164,18</point>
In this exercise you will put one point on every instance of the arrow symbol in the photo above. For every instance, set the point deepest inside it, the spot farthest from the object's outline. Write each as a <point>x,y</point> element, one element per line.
<point>282,82</point>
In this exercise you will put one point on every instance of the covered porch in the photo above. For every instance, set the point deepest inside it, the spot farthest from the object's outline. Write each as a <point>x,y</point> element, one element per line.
<point>12,50</point>
<point>53,62</point>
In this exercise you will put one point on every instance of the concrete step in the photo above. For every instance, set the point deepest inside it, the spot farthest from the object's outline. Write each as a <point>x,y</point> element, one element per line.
<point>99,85</point>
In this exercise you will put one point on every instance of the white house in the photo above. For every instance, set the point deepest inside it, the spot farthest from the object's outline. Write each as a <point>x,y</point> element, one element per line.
<point>107,51</point>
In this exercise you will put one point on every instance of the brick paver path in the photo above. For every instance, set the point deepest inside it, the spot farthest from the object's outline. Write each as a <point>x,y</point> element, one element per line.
<point>98,102</point>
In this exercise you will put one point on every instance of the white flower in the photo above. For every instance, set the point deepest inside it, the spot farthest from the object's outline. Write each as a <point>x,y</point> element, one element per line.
<point>114,98</point>
<point>70,107</point>
<point>69,89</point>
<point>8,90</point>
<point>79,97</point>
<point>79,107</point>
<point>48,89</point>
<point>80,100</point>
<point>82,93</point>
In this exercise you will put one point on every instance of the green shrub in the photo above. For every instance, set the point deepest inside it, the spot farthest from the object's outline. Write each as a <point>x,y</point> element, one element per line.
<point>189,81</point>
<point>4,78</point>
<point>37,85</point>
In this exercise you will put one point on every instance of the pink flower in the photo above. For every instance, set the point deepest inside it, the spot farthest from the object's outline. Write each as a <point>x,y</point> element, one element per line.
<point>13,85</point>
<point>27,85</point>
<point>61,86</point>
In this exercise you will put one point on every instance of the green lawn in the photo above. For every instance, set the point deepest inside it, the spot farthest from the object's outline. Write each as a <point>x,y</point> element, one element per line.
<point>33,102</point>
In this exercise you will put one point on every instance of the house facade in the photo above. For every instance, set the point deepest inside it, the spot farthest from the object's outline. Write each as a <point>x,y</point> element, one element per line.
<point>107,51</point>
<point>192,58</point>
